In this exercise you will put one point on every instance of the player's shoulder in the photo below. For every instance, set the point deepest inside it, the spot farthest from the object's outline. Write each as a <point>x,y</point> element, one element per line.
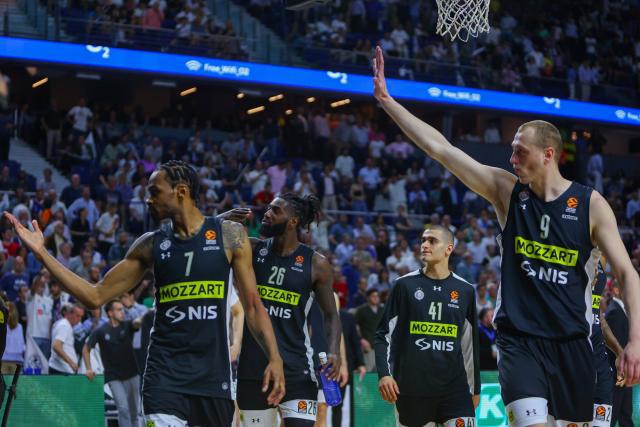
<point>409,279</point>
<point>462,283</point>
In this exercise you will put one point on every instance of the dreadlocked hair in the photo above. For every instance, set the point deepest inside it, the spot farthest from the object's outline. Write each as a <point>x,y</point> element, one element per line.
<point>307,208</point>
<point>177,172</point>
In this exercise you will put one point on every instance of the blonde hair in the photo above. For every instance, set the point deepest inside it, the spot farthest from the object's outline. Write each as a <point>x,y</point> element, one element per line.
<point>547,135</point>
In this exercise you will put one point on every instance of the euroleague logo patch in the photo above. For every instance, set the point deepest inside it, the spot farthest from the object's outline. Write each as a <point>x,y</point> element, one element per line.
<point>302,407</point>
<point>454,296</point>
<point>601,412</point>
<point>572,202</point>
<point>210,235</point>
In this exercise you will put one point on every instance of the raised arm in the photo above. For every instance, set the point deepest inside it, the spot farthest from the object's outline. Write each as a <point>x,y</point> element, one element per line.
<point>122,277</point>
<point>494,184</point>
<point>237,245</point>
<point>605,235</point>
<point>323,289</point>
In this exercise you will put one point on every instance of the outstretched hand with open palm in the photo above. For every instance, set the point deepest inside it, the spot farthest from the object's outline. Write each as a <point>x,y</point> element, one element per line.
<point>33,240</point>
<point>379,82</point>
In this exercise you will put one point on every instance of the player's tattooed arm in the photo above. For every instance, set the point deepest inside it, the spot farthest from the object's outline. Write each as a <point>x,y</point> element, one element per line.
<point>238,247</point>
<point>323,289</point>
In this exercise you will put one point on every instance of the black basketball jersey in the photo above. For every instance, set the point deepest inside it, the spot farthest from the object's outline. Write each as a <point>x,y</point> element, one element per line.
<point>189,345</point>
<point>428,336</point>
<point>597,291</point>
<point>548,264</point>
<point>285,287</point>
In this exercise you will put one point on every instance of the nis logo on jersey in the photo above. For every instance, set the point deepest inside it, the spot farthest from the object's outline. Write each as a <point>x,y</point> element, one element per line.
<point>547,274</point>
<point>424,344</point>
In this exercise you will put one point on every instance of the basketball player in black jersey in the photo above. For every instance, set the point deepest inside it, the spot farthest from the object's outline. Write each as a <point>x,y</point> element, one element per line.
<point>290,277</point>
<point>187,379</point>
<point>601,335</point>
<point>552,231</point>
<point>426,344</point>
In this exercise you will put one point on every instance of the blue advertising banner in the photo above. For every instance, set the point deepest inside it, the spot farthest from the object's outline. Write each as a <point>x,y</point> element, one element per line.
<point>245,72</point>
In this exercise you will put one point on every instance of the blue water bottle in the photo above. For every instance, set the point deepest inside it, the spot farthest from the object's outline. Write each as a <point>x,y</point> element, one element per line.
<point>331,388</point>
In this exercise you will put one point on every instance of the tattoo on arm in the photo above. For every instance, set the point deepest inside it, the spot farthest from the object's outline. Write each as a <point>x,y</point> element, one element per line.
<point>234,235</point>
<point>142,250</point>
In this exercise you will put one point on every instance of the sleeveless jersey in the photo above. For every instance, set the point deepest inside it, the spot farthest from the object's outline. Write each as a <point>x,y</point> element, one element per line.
<point>189,343</point>
<point>285,287</point>
<point>548,265</point>
<point>597,291</point>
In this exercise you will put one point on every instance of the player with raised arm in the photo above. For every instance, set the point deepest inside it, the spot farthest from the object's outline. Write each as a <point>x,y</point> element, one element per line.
<point>426,344</point>
<point>187,379</point>
<point>291,277</point>
<point>553,231</point>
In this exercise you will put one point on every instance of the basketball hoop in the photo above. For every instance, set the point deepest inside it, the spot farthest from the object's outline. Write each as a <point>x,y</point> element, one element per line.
<point>462,18</point>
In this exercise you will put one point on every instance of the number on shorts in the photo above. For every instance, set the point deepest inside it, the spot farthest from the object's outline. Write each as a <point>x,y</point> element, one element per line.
<point>544,226</point>
<point>189,256</point>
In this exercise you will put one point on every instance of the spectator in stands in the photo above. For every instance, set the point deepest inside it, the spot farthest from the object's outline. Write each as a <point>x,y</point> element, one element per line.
<point>11,283</point>
<point>482,299</point>
<point>51,123</point>
<point>58,299</point>
<point>71,192</point>
<point>487,340</point>
<point>14,350</point>
<point>46,184</point>
<point>633,209</point>
<point>64,359</point>
<point>345,164</point>
<point>153,16</point>
<point>344,250</point>
<point>39,311</point>
<point>119,249</point>
<point>107,226</point>
<point>466,268</point>
<point>120,371</point>
<point>83,267</point>
<point>85,201</point>
<point>367,317</point>
<point>132,308</point>
<point>79,116</point>
<point>10,242</point>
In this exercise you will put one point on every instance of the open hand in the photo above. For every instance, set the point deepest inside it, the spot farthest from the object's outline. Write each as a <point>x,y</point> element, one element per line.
<point>33,240</point>
<point>274,374</point>
<point>379,82</point>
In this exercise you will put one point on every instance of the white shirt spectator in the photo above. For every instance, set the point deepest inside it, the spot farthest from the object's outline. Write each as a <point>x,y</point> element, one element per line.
<point>63,332</point>
<point>105,225</point>
<point>397,194</point>
<point>478,250</point>
<point>370,176</point>
<point>375,148</point>
<point>81,116</point>
<point>258,179</point>
<point>344,165</point>
<point>39,316</point>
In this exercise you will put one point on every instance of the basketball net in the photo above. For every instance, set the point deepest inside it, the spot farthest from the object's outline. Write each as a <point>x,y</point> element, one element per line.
<point>462,18</point>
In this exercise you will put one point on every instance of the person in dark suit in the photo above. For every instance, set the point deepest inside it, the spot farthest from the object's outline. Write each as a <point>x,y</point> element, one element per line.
<point>355,362</point>
<point>618,322</point>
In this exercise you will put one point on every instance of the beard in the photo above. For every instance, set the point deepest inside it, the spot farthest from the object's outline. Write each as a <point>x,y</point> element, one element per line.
<point>273,230</point>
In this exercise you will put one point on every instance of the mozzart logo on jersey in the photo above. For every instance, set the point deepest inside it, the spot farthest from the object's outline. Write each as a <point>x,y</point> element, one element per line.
<point>278,295</point>
<point>548,253</point>
<point>436,329</point>
<point>192,290</point>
